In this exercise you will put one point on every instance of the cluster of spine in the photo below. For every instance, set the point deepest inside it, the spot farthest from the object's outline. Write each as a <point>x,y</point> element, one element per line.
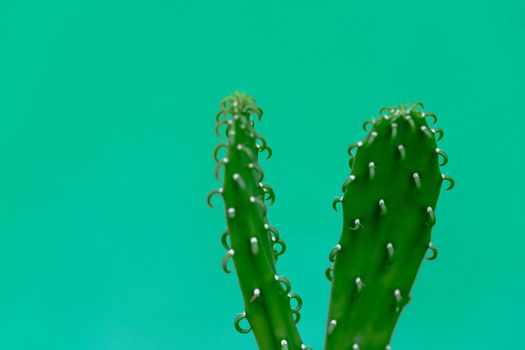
<point>389,203</point>
<point>270,308</point>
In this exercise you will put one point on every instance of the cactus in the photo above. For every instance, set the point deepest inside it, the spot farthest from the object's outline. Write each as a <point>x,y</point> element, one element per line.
<point>389,203</point>
<point>251,242</point>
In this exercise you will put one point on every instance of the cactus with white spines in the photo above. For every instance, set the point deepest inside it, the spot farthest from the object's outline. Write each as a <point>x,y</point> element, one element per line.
<point>389,203</point>
<point>251,242</point>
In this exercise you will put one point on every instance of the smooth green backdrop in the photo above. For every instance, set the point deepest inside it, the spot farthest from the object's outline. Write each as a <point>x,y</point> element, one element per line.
<point>106,137</point>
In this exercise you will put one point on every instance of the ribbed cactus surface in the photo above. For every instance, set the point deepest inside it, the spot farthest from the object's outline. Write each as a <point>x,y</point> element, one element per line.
<point>389,205</point>
<point>271,310</point>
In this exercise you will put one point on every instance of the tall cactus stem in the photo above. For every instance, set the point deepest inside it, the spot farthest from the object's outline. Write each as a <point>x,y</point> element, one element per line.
<point>388,204</point>
<point>252,244</point>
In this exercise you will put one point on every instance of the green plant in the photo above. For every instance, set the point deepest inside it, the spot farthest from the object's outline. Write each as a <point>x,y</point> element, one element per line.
<point>388,202</point>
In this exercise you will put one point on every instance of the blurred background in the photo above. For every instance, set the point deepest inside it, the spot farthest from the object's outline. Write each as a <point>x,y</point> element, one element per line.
<point>107,112</point>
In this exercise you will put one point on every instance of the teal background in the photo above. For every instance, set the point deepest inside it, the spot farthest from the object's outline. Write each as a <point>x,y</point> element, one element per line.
<point>106,137</point>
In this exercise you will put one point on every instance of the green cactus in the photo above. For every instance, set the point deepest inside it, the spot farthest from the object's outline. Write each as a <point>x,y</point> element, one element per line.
<point>389,204</point>
<point>251,242</point>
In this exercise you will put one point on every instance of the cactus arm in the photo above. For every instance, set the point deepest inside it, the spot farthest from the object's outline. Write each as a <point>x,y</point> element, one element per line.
<point>389,204</point>
<point>251,242</point>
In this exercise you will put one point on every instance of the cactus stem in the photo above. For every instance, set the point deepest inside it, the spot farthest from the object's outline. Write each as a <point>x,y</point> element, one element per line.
<point>331,326</point>
<point>382,207</point>
<point>403,146</point>
<point>256,294</point>
<point>225,260</point>
<point>431,217</point>
<point>372,170</point>
<point>450,180</point>
<point>246,197</point>
<point>417,180</point>
<point>254,244</point>
<point>402,151</point>
<point>433,250</point>
<point>284,345</point>
<point>390,252</point>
